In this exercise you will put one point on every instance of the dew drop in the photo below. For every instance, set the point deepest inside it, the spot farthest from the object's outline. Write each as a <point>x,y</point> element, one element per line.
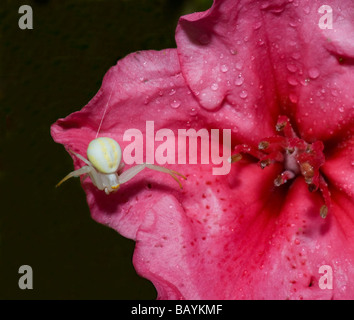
<point>257,25</point>
<point>296,55</point>
<point>175,104</point>
<point>172,92</point>
<point>291,67</point>
<point>239,65</point>
<point>314,73</point>
<point>305,82</point>
<point>214,86</point>
<point>292,81</point>
<point>193,112</point>
<point>334,93</point>
<point>260,42</point>
<point>224,68</point>
<point>307,10</point>
<point>239,80</point>
<point>243,94</point>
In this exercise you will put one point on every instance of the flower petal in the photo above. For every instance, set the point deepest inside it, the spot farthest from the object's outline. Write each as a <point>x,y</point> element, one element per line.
<point>339,167</point>
<point>224,67</point>
<point>271,57</point>
<point>244,240</point>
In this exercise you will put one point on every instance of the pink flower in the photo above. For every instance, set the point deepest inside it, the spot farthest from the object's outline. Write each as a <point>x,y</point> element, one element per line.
<point>284,86</point>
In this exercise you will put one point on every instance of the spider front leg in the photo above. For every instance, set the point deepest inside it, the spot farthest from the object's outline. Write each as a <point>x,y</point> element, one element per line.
<point>130,173</point>
<point>76,173</point>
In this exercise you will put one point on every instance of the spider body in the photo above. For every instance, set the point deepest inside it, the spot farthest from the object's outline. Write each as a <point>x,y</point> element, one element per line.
<point>104,166</point>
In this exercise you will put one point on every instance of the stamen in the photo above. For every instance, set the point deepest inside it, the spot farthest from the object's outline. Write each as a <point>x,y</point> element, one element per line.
<point>307,171</point>
<point>280,126</point>
<point>235,158</point>
<point>283,178</point>
<point>264,163</point>
<point>297,157</point>
<point>263,145</point>
<point>326,197</point>
<point>324,211</point>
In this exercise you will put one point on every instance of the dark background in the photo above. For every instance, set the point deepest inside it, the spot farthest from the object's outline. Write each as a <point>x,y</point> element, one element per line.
<point>45,74</point>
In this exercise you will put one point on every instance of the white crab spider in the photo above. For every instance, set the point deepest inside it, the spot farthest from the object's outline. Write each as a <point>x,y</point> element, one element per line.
<point>104,166</point>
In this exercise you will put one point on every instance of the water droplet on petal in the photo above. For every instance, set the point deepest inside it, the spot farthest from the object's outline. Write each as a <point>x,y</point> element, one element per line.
<point>296,55</point>
<point>305,82</point>
<point>314,73</point>
<point>175,104</point>
<point>243,94</point>
<point>193,112</point>
<point>214,86</point>
<point>257,25</point>
<point>334,93</point>
<point>224,68</point>
<point>292,81</point>
<point>239,80</point>
<point>307,10</point>
<point>291,67</point>
<point>172,92</point>
<point>239,65</point>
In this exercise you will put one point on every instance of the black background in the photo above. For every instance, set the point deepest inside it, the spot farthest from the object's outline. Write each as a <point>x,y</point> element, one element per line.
<point>45,74</point>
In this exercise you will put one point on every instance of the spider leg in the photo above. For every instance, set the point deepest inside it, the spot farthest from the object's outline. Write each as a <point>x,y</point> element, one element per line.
<point>130,173</point>
<point>81,157</point>
<point>172,173</point>
<point>76,173</point>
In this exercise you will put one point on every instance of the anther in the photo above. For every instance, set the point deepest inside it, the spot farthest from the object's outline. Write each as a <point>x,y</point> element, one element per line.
<point>324,211</point>
<point>235,157</point>
<point>264,163</point>
<point>307,171</point>
<point>263,145</point>
<point>283,178</point>
<point>280,126</point>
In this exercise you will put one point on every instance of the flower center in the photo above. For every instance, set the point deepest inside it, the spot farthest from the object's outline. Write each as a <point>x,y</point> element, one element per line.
<point>297,156</point>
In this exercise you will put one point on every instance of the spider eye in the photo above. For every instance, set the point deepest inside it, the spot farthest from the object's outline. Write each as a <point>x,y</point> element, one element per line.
<point>105,154</point>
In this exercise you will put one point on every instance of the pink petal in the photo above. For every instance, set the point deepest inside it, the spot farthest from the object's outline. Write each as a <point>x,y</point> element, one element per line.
<point>273,55</point>
<point>244,240</point>
<point>339,167</point>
